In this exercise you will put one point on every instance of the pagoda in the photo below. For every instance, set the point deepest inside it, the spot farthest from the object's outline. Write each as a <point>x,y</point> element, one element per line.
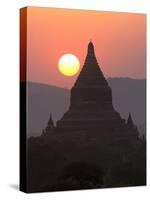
<point>91,108</point>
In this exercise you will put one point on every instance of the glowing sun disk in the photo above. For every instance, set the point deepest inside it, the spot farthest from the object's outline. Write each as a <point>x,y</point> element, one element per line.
<point>68,65</point>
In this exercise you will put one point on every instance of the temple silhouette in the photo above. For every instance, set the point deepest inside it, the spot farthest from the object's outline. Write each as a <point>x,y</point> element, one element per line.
<point>91,146</point>
<point>91,109</point>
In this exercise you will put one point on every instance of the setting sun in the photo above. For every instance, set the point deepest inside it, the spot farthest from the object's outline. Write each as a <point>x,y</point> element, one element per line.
<point>68,65</point>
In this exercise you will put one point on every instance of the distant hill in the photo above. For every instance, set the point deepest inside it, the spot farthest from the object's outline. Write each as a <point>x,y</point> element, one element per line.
<point>129,95</point>
<point>43,99</point>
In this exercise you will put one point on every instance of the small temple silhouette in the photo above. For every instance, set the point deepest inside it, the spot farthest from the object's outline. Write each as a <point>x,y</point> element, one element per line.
<point>50,126</point>
<point>91,111</point>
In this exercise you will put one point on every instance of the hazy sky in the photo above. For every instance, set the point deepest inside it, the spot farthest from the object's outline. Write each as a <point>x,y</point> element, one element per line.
<point>119,40</point>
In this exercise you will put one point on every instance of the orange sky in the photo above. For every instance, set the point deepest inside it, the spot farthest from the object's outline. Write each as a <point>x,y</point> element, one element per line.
<point>119,40</point>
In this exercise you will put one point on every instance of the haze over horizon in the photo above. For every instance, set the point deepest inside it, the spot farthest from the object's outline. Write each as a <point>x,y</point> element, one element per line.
<point>68,87</point>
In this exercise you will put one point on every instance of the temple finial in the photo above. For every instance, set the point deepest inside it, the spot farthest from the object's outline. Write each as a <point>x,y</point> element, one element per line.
<point>90,47</point>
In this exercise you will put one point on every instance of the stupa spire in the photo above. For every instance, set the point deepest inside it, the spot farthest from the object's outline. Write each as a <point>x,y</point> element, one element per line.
<point>91,74</point>
<point>90,48</point>
<point>90,57</point>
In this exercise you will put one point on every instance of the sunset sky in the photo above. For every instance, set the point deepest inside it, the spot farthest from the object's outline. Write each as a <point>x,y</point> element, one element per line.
<point>119,40</point>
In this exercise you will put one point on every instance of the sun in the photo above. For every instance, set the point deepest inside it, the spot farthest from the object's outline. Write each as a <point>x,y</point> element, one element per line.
<point>68,64</point>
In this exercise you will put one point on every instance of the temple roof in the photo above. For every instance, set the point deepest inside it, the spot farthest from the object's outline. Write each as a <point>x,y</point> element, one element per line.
<point>130,121</point>
<point>91,74</point>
